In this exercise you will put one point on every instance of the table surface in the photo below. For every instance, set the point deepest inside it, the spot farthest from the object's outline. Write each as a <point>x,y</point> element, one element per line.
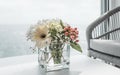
<point>79,65</point>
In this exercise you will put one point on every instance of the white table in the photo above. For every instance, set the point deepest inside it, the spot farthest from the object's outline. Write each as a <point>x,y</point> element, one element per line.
<point>80,65</point>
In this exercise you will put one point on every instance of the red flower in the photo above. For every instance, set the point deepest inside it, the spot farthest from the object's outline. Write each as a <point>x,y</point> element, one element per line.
<point>77,41</point>
<point>66,33</point>
<point>75,28</point>
<point>72,37</point>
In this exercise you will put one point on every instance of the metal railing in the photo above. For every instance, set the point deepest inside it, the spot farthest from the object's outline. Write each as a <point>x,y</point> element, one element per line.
<point>108,29</point>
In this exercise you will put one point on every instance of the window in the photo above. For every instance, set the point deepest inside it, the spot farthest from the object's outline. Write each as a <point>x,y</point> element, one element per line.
<point>17,15</point>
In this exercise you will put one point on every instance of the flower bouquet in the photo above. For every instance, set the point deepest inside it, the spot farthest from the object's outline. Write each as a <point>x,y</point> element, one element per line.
<point>53,39</point>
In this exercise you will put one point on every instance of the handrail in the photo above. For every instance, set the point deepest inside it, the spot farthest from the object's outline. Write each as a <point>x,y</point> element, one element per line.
<point>107,33</point>
<point>97,22</point>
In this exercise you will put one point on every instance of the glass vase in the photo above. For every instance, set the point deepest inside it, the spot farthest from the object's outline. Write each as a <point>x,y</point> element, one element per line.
<point>56,56</point>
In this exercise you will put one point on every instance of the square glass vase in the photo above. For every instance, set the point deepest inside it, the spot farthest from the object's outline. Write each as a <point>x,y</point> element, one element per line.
<point>56,56</point>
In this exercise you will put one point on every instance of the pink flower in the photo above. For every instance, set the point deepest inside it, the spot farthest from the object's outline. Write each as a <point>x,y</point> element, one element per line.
<point>66,33</point>
<point>72,37</point>
<point>77,32</point>
<point>76,36</point>
<point>75,28</point>
<point>65,28</point>
<point>71,33</point>
<point>77,41</point>
<point>69,27</point>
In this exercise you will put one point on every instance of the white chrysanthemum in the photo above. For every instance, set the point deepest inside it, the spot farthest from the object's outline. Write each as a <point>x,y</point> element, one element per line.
<point>39,35</point>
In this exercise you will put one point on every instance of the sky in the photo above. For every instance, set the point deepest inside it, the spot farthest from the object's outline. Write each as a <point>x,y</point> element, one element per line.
<point>20,12</point>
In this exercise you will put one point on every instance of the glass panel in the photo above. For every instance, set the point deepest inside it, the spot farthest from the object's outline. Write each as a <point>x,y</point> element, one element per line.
<point>17,15</point>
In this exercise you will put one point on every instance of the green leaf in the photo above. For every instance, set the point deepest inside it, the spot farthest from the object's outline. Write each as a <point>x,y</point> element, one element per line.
<point>76,46</point>
<point>61,23</point>
<point>53,32</point>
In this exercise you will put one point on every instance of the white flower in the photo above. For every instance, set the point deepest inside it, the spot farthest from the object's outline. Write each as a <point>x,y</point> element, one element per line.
<point>39,35</point>
<point>55,24</point>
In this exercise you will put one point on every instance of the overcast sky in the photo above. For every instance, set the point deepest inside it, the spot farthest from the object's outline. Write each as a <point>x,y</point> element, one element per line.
<point>30,11</point>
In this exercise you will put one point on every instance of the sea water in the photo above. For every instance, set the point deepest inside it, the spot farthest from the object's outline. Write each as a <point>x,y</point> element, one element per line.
<point>13,41</point>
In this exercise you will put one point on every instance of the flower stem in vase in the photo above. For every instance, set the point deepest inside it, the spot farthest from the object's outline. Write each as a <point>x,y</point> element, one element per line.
<point>56,54</point>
